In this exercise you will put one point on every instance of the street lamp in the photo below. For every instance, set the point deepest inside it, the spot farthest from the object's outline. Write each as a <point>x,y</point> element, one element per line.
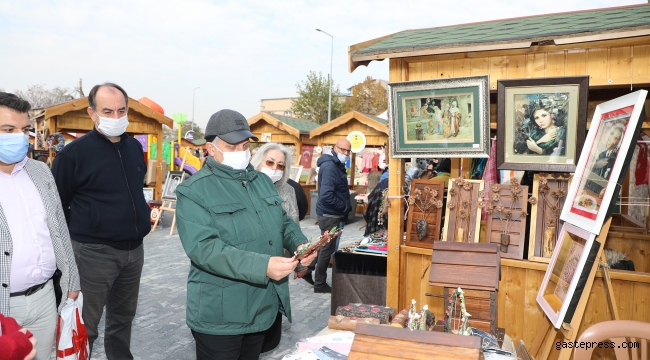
<point>329,107</point>
<point>193,96</point>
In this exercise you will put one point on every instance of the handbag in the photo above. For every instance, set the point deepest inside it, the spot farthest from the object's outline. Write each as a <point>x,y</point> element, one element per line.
<point>71,335</point>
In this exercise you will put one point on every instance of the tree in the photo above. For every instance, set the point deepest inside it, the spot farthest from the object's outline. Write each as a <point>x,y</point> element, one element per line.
<point>40,97</point>
<point>313,99</point>
<point>367,97</point>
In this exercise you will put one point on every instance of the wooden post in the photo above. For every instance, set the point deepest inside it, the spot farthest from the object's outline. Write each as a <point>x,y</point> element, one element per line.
<point>353,157</point>
<point>159,163</point>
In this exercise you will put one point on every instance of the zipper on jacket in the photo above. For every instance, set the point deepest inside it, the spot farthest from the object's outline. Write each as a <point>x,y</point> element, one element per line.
<point>135,213</point>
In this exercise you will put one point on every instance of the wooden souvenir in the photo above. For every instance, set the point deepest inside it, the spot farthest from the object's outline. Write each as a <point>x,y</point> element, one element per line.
<point>549,191</point>
<point>340,322</point>
<point>468,266</point>
<point>315,246</point>
<point>506,224</point>
<point>384,314</point>
<point>425,213</point>
<point>388,342</point>
<point>464,207</point>
<point>482,307</point>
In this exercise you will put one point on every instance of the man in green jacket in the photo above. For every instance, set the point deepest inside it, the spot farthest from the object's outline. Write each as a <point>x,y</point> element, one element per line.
<point>234,230</point>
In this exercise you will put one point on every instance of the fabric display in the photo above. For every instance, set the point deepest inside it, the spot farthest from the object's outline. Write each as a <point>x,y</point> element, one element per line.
<point>490,175</point>
<point>383,313</point>
<point>642,170</point>
<point>366,161</point>
<point>376,218</point>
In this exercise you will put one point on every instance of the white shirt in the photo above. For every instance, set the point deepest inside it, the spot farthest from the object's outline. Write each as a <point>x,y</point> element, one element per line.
<point>33,261</point>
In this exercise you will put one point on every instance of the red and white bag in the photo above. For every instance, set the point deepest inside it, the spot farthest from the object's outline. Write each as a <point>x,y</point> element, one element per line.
<point>71,335</point>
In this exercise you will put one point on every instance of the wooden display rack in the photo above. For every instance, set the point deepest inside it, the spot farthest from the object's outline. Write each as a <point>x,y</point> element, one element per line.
<point>547,335</point>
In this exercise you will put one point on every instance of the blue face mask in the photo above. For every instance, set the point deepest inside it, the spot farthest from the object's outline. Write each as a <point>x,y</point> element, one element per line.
<point>342,158</point>
<point>13,147</point>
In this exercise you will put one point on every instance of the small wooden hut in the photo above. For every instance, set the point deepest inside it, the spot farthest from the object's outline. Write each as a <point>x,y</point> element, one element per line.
<point>282,129</point>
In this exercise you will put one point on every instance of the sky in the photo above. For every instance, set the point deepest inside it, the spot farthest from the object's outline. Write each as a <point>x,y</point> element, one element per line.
<point>235,52</point>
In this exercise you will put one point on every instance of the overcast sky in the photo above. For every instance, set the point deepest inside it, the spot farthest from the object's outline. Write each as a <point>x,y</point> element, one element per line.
<point>237,52</point>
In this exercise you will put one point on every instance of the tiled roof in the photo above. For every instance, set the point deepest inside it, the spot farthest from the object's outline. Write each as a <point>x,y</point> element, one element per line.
<point>532,27</point>
<point>303,126</point>
<point>380,120</point>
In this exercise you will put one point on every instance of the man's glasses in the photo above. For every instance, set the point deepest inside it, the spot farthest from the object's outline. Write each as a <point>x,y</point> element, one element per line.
<point>345,151</point>
<point>270,163</point>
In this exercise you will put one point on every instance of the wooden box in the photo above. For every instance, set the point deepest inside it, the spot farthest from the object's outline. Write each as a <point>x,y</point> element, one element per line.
<point>512,245</point>
<point>388,342</point>
<point>433,215</point>
<point>465,265</point>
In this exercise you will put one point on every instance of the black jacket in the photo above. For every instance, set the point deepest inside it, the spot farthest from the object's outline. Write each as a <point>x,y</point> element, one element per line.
<point>100,184</point>
<point>333,192</point>
<point>301,198</point>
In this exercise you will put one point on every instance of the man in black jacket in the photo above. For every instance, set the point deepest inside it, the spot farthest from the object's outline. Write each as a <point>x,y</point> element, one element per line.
<point>99,178</point>
<point>332,208</point>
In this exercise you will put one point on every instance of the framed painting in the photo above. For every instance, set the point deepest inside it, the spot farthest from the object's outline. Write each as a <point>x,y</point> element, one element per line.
<point>442,118</point>
<point>148,194</point>
<point>295,172</point>
<point>549,191</point>
<point>541,123</point>
<point>174,178</point>
<point>604,161</point>
<point>463,213</point>
<point>566,275</point>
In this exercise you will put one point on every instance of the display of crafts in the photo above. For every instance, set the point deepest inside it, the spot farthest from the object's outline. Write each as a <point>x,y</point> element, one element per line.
<point>457,323</point>
<point>425,200</point>
<point>312,246</point>
<point>510,214</point>
<point>413,319</point>
<point>459,200</point>
<point>56,142</point>
<point>551,202</point>
<point>374,243</point>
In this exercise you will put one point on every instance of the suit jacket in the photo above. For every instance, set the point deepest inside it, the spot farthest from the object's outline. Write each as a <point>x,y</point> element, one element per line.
<point>44,182</point>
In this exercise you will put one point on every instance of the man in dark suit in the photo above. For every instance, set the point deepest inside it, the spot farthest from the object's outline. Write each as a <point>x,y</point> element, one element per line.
<point>605,162</point>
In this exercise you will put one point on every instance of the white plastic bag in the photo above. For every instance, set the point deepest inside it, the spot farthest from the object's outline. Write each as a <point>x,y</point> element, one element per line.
<point>71,335</point>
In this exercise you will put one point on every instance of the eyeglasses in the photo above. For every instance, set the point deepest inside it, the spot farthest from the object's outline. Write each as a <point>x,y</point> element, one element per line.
<point>270,163</point>
<point>346,151</point>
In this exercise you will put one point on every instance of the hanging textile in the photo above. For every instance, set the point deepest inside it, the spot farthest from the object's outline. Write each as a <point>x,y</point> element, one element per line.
<point>490,174</point>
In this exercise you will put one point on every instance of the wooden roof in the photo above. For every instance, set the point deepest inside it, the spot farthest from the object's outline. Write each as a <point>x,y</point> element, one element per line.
<point>372,121</point>
<point>82,103</point>
<point>523,32</point>
<point>289,124</point>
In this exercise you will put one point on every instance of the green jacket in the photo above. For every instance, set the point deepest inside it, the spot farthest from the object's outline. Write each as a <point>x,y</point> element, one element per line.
<point>230,223</point>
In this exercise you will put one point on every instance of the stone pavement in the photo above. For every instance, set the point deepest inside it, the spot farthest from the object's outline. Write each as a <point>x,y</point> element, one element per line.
<point>159,329</point>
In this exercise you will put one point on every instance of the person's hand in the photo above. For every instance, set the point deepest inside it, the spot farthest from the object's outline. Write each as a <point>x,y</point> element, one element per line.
<point>551,135</point>
<point>73,295</point>
<point>33,340</point>
<point>309,259</point>
<point>532,146</point>
<point>279,267</point>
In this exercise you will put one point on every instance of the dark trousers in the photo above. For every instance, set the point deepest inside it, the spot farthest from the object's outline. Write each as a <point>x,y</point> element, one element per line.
<point>273,335</point>
<point>229,347</point>
<point>324,254</point>
<point>109,277</point>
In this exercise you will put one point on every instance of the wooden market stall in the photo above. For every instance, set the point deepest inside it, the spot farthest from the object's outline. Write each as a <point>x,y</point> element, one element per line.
<point>72,117</point>
<point>612,46</point>
<point>375,130</point>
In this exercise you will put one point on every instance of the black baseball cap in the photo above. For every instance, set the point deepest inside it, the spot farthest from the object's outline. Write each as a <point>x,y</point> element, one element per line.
<point>228,125</point>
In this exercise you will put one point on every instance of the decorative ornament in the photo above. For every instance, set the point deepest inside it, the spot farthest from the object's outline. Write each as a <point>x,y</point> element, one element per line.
<point>426,200</point>
<point>510,213</point>
<point>55,142</point>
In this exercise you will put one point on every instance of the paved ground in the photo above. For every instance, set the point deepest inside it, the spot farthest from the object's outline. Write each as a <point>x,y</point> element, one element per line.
<point>159,329</point>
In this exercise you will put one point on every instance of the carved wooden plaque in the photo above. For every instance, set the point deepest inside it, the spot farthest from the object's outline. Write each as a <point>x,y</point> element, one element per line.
<point>432,217</point>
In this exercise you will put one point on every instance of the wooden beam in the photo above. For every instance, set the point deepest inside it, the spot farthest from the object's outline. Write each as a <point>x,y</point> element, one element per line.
<point>159,163</point>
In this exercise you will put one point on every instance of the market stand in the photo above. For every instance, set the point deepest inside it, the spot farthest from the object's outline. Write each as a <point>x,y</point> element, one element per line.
<point>609,45</point>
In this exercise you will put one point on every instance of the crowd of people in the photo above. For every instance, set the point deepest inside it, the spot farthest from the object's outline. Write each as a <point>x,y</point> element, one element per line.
<point>79,227</point>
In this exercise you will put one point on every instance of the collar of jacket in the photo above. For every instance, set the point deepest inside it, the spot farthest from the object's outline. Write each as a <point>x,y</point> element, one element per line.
<point>101,137</point>
<point>225,171</point>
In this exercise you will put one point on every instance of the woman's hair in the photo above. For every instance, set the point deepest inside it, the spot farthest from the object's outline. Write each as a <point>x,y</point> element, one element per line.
<point>260,155</point>
<point>557,112</point>
<point>444,165</point>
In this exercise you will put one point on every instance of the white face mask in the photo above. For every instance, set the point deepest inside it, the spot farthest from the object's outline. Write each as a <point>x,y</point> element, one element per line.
<point>342,157</point>
<point>237,160</point>
<point>113,127</point>
<point>275,175</point>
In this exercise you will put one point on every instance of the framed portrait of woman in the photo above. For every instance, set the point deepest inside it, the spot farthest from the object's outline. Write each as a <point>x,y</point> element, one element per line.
<point>541,123</point>
<point>605,158</point>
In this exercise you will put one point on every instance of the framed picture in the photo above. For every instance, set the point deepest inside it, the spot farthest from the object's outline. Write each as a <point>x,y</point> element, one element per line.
<point>541,123</point>
<point>565,276</point>
<point>148,194</point>
<point>445,118</point>
<point>295,172</point>
<point>604,161</point>
<point>174,178</point>
<point>549,191</point>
